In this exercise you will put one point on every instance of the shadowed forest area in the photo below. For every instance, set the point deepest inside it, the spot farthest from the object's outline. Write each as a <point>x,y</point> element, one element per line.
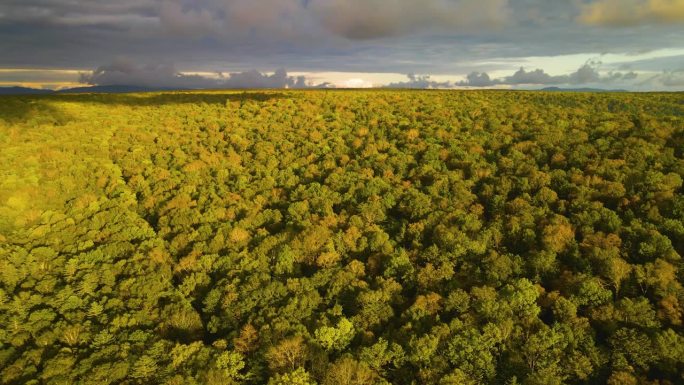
<point>342,237</point>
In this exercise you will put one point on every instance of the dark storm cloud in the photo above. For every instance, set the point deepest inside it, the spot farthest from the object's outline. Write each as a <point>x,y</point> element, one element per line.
<point>121,13</point>
<point>124,72</point>
<point>478,79</point>
<point>370,19</point>
<point>537,76</point>
<point>237,19</point>
<point>351,19</point>
<point>587,74</point>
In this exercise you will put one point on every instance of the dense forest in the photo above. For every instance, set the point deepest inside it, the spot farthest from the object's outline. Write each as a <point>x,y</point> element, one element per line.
<point>342,237</point>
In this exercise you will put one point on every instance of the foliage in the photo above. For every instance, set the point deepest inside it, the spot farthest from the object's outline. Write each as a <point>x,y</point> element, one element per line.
<point>342,237</point>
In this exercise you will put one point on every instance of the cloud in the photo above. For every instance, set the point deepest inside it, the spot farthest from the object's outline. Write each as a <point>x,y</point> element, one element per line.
<point>192,21</point>
<point>357,83</point>
<point>478,79</point>
<point>236,19</point>
<point>586,74</point>
<point>671,78</point>
<point>623,13</point>
<point>419,82</point>
<point>351,19</point>
<point>256,79</point>
<point>447,37</point>
<point>537,76</point>
<point>18,75</point>
<point>371,19</point>
<point>121,13</point>
<point>589,74</point>
<point>124,72</point>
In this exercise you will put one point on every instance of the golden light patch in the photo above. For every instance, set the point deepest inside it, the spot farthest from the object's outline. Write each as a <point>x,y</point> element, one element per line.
<point>42,85</point>
<point>632,12</point>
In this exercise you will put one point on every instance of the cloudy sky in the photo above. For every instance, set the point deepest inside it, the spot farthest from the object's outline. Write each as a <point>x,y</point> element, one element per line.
<point>626,44</point>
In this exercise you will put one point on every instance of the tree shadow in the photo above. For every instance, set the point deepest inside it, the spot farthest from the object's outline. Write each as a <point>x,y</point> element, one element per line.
<point>166,98</point>
<point>23,108</point>
<point>31,110</point>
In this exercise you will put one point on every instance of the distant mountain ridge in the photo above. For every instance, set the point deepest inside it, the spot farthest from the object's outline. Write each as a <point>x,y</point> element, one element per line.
<point>558,89</point>
<point>114,89</point>
<point>121,89</point>
<point>110,89</point>
<point>23,91</point>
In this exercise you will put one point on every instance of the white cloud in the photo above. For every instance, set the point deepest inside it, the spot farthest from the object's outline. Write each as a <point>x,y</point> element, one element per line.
<point>420,82</point>
<point>357,83</point>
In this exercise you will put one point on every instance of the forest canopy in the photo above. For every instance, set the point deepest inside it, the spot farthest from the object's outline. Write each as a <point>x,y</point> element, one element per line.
<point>342,237</point>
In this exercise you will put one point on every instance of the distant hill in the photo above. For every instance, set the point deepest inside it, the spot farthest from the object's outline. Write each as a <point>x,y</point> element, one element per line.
<point>23,91</point>
<point>121,89</point>
<point>558,89</point>
<point>114,89</point>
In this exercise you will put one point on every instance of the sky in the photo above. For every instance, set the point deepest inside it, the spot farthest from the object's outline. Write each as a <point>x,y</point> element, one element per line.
<point>524,44</point>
